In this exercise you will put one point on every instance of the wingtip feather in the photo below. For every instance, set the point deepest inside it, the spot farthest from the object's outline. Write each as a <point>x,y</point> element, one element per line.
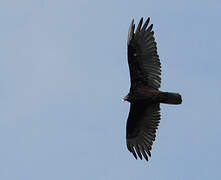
<point>130,31</point>
<point>150,27</point>
<point>139,25</point>
<point>138,151</point>
<point>133,151</point>
<point>145,24</point>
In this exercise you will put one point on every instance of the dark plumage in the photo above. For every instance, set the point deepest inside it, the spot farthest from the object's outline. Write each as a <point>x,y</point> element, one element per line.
<point>144,96</point>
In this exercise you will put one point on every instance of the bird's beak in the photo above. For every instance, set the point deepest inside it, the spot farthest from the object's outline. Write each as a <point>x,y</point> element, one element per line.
<point>125,98</point>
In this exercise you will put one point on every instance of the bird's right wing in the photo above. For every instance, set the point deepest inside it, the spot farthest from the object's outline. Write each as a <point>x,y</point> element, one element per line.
<point>142,124</point>
<point>143,60</point>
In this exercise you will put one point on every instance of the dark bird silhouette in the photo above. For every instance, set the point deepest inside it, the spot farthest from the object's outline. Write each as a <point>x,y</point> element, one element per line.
<point>144,95</point>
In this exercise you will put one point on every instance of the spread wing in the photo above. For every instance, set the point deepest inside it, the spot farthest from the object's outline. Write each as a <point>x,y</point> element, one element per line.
<point>142,124</point>
<point>143,60</point>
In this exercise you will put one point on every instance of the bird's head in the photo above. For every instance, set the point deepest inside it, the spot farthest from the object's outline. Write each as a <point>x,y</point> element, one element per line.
<point>125,98</point>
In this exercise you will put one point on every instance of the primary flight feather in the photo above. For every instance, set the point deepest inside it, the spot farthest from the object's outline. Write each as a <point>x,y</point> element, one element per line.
<point>144,95</point>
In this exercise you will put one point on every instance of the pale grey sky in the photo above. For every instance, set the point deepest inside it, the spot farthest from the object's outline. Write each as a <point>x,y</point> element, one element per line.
<point>63,72</point>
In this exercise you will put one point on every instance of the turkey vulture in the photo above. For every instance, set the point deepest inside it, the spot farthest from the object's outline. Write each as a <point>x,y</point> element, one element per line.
<point>144,95</point>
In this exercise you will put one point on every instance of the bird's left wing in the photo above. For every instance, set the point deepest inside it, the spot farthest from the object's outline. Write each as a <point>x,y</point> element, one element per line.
<point>143,59</point>
<point>142,124</point>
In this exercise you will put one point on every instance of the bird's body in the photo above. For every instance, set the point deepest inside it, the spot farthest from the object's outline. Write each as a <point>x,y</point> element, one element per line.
<point>144,96</point>
<point>152,96</point>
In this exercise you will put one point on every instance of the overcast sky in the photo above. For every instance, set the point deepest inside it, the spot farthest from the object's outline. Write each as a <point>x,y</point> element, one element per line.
<point>63,72</point>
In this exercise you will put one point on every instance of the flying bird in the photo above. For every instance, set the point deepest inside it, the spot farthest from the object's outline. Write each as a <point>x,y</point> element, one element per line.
<point>144,95</point>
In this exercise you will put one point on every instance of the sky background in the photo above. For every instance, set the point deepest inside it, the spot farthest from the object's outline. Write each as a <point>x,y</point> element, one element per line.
<point>63,72</point>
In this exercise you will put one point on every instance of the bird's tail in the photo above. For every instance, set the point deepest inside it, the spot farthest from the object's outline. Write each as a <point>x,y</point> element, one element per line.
<point>170,98</point>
